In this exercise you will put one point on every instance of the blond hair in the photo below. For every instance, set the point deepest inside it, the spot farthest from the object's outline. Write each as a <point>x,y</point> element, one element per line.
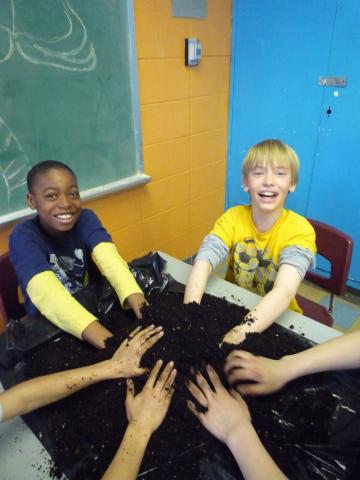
<point>274,153</point>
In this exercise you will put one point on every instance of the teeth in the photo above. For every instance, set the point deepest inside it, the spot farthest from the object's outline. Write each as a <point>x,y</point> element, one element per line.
<point>267,194</point>
<point>65,216</point>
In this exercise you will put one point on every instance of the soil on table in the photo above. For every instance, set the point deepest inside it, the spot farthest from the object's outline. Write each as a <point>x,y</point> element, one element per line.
<point>83,431</point>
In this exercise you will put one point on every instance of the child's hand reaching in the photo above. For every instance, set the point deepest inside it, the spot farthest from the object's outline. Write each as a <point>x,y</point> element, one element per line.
<point>136,301</point>
<point>225,412</point>
<point>145,412</point>
<point>147,409</point>
<point>270,375</point>
<point>127,358</point>
<point>227,418</point>
<point>236,335</point>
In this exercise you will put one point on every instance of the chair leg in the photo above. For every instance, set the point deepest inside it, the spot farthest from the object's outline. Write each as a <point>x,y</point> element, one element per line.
<point>332,303</point>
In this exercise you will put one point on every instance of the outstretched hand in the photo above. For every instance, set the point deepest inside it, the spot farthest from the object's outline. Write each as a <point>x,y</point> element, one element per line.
<point>225,411</point>
<point>148,408</point>
<point>136,301</point>
<point>269,375</point>
<point>236,335</point>
<point>127,358</point>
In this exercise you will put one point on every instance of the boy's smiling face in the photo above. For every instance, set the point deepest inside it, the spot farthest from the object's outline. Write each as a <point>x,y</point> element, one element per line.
<point>55,196</point>
<point>268,187</point>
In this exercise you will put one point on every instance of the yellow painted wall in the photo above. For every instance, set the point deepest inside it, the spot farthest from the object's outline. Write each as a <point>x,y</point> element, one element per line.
<point>184,118</point>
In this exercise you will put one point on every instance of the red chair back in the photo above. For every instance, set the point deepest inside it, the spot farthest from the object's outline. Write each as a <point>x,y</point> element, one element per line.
<point>10,307</point>
<point>337,248</point>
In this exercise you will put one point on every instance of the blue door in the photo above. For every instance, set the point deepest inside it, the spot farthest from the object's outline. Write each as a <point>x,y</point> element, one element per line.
<point>280,49</point>
<point>336,177</point>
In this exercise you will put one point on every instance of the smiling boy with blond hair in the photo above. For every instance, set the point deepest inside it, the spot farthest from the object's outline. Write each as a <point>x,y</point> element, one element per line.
<point>270,248</point>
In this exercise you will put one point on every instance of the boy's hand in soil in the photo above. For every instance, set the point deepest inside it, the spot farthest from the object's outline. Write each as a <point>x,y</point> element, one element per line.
<point>228,418</point>
<point>145,413</point>
<point>126,360</point>
<point>136,301</point>
<point>225,412</point>
<point>236,335</point>
<point>147,409</point>
<point>269,375</point>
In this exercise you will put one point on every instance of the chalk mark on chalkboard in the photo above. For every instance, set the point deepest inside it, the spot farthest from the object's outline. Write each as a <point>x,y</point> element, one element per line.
<point>14,163</point>
<point>38,51</point>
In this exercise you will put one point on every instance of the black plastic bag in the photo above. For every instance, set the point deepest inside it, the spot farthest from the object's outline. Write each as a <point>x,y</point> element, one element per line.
<point>99,298</point>
<point>21,336</point>
<point>148,272</point>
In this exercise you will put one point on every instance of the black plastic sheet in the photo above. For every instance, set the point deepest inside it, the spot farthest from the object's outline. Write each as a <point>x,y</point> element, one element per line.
<point>22,336</point>
<point>312,427</point>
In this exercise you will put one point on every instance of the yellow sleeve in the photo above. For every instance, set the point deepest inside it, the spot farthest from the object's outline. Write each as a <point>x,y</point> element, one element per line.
<point>52,299</point>
<point>116,270</point>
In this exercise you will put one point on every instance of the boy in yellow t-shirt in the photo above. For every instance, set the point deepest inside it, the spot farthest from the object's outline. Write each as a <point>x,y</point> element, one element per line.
<point>270,248</point>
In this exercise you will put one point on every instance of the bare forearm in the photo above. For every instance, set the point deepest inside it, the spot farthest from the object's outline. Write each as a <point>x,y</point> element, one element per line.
<point>128,458</point>
<point>41,391</point>
<point>269,308</point>
<point>96,334</point>
<point>340,353</point>
<point>250,454</point>
<point>275,302</point>
<point>197,281</point>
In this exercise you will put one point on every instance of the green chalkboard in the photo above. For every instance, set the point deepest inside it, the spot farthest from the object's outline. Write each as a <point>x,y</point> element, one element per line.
<point>68,91</point>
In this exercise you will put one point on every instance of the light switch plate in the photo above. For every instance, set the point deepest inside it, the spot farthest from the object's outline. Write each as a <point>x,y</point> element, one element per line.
<point>193,52</point>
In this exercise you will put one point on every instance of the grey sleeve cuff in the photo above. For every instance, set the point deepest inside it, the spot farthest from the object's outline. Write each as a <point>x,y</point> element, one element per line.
<point>213,250</point>
<point>300,258</point>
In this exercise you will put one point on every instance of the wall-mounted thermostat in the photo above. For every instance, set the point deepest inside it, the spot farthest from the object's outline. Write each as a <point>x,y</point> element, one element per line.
<point>193,52</point>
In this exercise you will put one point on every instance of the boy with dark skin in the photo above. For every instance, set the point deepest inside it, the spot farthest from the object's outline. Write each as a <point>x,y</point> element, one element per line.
<point>53,254</point>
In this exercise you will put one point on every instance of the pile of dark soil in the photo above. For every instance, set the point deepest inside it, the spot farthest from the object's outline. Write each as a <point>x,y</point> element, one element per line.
<point>300,425</point>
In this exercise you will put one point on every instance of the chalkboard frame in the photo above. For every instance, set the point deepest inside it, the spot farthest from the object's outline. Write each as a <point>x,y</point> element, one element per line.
<point>120,184</point>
